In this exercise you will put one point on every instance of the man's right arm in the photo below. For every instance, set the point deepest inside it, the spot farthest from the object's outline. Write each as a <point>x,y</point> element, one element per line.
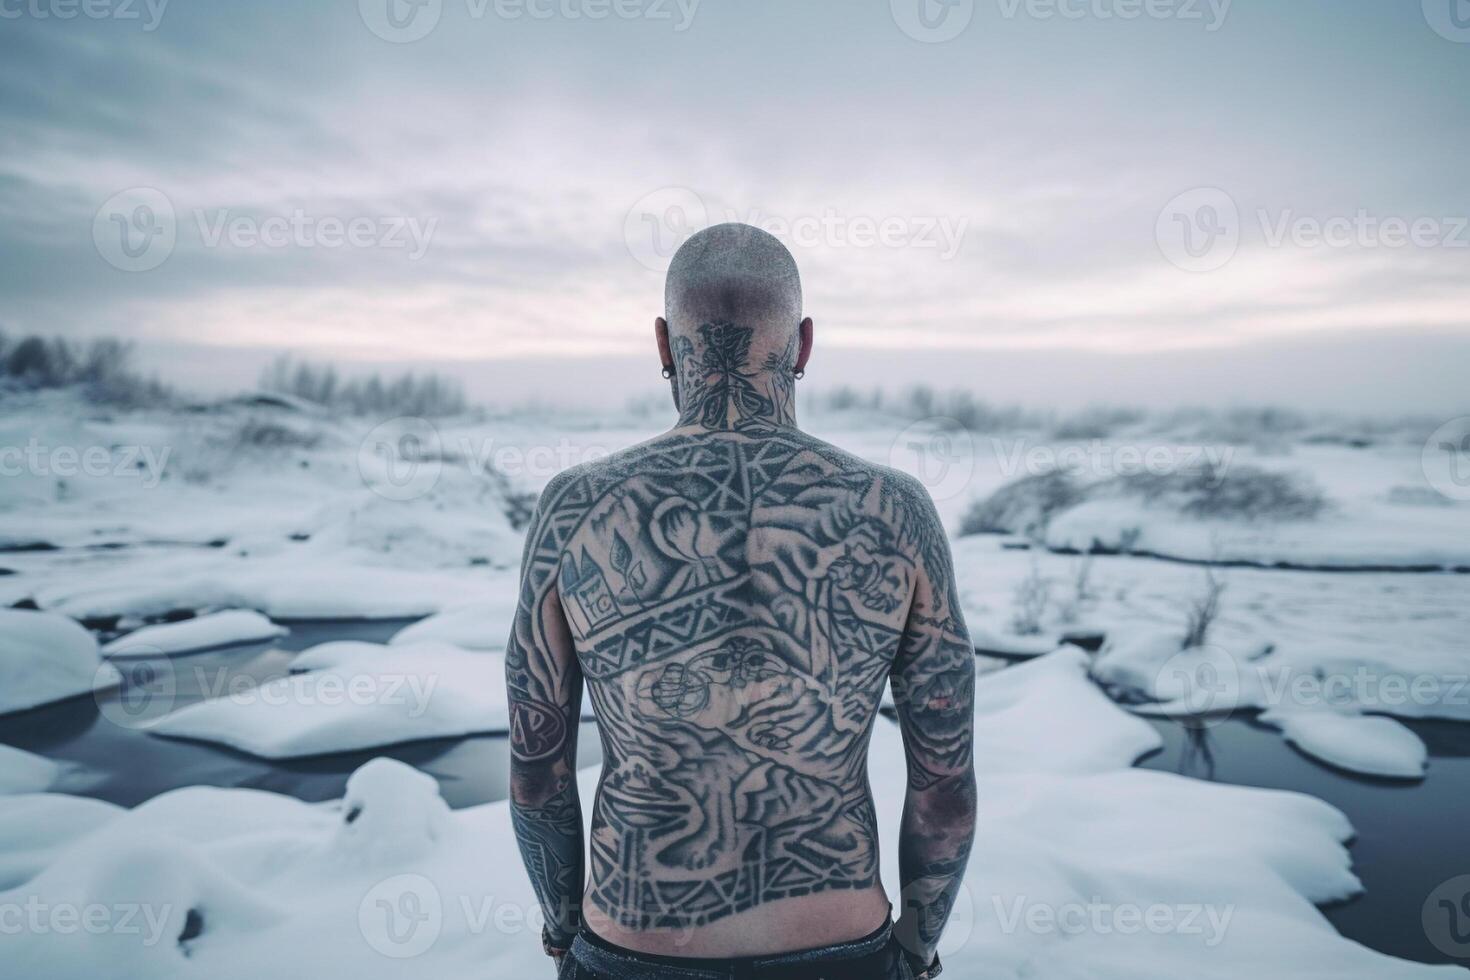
<point>933,689</point>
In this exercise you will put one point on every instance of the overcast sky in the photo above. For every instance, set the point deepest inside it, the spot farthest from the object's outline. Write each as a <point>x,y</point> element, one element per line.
<point>1120,183</point>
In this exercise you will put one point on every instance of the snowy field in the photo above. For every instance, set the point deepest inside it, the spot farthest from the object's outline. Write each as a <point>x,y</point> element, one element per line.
<point>1312,581</point>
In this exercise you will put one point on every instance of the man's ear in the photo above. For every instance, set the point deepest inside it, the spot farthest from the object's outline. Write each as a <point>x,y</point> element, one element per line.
<point>661,334</point>
<point>804,352</point>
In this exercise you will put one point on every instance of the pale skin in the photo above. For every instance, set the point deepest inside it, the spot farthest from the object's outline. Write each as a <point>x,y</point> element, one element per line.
<point>733,596</point>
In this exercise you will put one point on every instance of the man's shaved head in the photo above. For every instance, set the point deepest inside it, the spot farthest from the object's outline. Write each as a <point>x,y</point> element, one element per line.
<point>734,273</point>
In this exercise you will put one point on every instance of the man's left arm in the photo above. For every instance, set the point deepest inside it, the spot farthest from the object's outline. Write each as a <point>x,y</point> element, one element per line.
<point>544,686</point>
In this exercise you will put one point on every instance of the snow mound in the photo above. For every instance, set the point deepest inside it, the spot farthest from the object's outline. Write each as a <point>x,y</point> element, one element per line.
<point>350,695</point>
<point>480,626</point>
<point>391,812</point>
<point>22,772</point>
<point>35,828</point>
<point>1372,745</point>
<point>206,632</point>
<point>45,658</point>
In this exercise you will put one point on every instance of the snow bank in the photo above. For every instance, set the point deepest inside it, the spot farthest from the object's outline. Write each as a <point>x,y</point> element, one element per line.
<point>22,772</point>
<point>45,658</point>
<point>1372,745</point>
<point>35,828</point>
<point>354,696</point>
<point>295,583</point>
<point>350,695</point>
<point>201,633</point>
<point>481,626</point>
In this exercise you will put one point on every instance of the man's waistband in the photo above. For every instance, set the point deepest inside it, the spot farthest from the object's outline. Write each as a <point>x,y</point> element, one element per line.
<point>859,957</point>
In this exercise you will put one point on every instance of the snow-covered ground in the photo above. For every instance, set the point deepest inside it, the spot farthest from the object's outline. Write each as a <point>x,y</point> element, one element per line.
<point>207,528</point>
<point>1086,868</point>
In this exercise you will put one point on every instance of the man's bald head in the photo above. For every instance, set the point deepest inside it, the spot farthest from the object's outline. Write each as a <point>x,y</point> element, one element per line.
<point>734,273</point>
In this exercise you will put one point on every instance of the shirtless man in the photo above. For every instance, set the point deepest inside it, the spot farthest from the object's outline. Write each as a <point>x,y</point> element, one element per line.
<point>733,595</point>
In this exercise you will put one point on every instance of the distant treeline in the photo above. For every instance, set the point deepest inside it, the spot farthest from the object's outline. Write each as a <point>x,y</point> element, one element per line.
<point>102,368</point>
<point>423,395</point>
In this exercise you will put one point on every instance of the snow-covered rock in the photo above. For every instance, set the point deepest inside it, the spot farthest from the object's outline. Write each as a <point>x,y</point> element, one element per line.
<point>206,632</point>
<point>45,657</point>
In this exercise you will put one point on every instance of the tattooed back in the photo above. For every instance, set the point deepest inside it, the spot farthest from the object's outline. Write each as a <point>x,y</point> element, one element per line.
<point>736,602</point>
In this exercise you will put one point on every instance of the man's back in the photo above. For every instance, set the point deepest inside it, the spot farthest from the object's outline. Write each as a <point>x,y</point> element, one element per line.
<point>736,602</point>
<point>733,597</point>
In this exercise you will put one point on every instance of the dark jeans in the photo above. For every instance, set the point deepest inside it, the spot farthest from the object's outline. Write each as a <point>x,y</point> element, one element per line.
<point>877,956</point>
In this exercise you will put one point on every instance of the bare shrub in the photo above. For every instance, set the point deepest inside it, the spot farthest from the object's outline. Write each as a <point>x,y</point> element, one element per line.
<point>1231,493</point>
<point>1032,596</point>
<point>1204,609</point>
<point>101,369</point>
<point>1024,506</point>
<point>420,395</point>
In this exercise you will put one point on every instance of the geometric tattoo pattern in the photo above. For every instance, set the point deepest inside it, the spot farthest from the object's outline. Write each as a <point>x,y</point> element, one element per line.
<point>734,596</point>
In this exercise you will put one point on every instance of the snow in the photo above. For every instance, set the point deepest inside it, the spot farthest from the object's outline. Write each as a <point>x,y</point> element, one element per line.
<point>1373,745</point>
<point>35,828</point>
<point>480,626</point>
<point>45,658</point>
<point>1084,868</point>
<point>206,632</point>
<point>23,772</point>
<point>351,696</point>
